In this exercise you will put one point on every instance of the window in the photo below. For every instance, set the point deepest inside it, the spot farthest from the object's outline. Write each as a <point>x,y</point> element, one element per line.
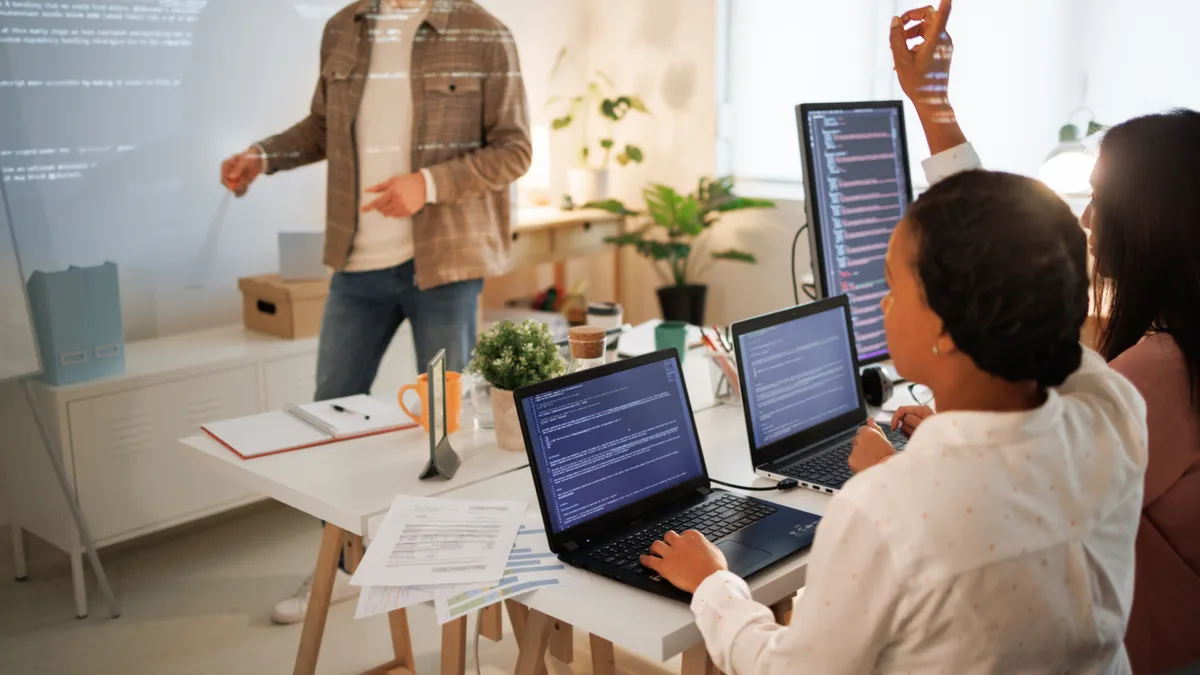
<point>1014,82</point>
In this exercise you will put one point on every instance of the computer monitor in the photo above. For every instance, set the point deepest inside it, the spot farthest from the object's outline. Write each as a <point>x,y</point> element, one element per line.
<point>857,188</point>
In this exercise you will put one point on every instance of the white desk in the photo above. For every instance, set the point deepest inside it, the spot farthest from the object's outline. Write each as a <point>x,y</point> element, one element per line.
<point>346,484</point>
<point>648,625</point>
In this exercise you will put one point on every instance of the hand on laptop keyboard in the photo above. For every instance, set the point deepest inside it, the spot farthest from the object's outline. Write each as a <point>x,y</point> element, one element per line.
<point>685,560</point>
<point>907,418</point>
<point>871,447</point>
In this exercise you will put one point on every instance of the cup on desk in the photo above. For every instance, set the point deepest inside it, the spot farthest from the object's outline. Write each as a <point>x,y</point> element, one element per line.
<point>454,395</point>
<point>672,335</point>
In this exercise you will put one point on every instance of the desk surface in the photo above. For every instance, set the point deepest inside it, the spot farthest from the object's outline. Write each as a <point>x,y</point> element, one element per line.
<point>347,483</point>
<point>646,624</point>
<point>534,218</point>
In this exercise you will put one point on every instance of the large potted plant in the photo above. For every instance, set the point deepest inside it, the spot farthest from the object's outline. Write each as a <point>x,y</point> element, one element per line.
<point>676,240</point>
<point>588,180</point>
<point>510,356</point>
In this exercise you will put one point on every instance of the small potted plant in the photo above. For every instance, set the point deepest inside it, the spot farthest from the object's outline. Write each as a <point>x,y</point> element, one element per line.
<point>587,181</point>
<point>679,227</point>
<point>510,356</point>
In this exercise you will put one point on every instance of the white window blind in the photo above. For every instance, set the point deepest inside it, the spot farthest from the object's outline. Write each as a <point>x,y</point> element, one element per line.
<point>1021,68</point>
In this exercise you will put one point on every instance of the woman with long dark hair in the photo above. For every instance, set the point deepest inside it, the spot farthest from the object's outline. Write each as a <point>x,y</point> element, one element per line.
<point>1145,223</point>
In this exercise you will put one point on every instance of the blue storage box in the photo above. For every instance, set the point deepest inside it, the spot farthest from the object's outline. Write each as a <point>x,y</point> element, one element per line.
<point>77,317</point>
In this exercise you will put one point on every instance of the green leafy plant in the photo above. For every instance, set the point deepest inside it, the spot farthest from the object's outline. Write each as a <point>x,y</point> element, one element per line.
<point>680,225</point>
<point>598,99</point>
<point>514,355</point>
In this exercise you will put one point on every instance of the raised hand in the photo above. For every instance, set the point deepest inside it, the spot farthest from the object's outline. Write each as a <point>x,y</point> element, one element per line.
<point>924,71</point>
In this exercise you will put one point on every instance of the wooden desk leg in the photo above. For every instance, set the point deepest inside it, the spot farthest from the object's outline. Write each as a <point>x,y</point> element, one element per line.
<point>352,552</point>
<point>401,639</point>
<point>492,620</point>
<point>697,662</point>
<point>518,615</point>
<point>533,644</point>
<point>562,642</point>
<point>454,647</point>
<point>783,611</point>
<point>318,602</point>
<point>604,662</point>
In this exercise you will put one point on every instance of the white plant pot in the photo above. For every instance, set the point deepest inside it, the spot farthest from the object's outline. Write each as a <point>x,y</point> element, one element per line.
<point>587,185</point>
<point>507,424</point>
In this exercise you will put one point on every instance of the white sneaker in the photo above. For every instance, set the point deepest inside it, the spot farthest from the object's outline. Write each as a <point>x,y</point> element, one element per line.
<point>292,610</point>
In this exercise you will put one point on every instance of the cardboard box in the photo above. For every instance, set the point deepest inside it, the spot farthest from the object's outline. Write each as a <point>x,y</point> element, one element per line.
<point>287,309</point>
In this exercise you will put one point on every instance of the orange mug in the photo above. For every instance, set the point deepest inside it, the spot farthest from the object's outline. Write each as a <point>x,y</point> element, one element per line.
<point>454,397</point>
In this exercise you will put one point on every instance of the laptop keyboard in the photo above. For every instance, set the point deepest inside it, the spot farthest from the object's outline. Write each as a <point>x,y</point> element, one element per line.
<point>831,468</point>
<point>715,519</point>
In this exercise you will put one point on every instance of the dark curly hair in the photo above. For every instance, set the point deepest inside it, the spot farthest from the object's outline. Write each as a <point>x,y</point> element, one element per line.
<point>1003,262</point>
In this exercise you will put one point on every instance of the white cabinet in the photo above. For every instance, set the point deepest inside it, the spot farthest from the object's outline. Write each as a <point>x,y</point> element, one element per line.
<point>119,436</point>
<point>126,467</point>
<point>290,380</point>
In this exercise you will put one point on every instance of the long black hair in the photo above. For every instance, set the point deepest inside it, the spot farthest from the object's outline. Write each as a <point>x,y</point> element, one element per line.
<point>1146,222</point>
<point>1003,263</point>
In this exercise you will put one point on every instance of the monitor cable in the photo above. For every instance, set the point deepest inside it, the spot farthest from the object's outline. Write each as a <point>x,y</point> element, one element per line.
<point>783,485</point>
<point>808,290</point>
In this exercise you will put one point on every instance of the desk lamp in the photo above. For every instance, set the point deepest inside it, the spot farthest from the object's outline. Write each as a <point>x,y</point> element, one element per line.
<point>1068,168</point>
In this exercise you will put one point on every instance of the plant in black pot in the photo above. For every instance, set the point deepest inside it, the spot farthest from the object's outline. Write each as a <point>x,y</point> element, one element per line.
<point>676,240</point>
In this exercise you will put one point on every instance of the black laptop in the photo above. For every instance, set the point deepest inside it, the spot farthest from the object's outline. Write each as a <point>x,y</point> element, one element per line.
<point>616,459</point>
<point>802,393</point>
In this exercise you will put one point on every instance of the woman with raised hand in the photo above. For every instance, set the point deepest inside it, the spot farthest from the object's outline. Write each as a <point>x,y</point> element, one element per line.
<point>1144,218</point>
<point>984,547</point>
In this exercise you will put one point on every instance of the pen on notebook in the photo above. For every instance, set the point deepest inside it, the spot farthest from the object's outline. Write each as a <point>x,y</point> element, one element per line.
<point>344,409</point>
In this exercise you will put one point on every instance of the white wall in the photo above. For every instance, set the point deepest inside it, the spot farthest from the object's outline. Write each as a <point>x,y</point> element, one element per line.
<point>1142,57</point>
<point>664,52</point>
<point>1012,91</point>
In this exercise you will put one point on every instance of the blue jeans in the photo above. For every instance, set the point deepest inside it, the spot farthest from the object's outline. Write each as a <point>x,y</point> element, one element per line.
<point>362,314</point>
<point>365,309</point>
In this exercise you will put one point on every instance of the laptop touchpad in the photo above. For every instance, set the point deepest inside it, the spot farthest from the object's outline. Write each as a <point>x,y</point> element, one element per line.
<point>741,557</point>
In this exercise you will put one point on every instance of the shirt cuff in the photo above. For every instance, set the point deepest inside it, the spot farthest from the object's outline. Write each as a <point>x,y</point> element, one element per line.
<point>262,155</point>
<point>430,187</point>
<point>716,587</point>
<point>949,162</point>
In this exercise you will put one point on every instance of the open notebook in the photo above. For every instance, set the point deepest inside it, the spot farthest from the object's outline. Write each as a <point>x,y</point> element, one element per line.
<point>303,426</point>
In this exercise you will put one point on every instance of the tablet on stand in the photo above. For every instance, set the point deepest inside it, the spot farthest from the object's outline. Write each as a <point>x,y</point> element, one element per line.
<point>443,460</point>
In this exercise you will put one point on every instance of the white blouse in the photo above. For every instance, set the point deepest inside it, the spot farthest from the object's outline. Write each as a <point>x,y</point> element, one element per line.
<point>995,543</point>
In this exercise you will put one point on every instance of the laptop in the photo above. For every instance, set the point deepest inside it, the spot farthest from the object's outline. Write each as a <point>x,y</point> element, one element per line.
<point>802,394</point>
<point>615,456</point>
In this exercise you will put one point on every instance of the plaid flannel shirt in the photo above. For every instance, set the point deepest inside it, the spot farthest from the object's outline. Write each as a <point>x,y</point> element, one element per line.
<point>470,131</point>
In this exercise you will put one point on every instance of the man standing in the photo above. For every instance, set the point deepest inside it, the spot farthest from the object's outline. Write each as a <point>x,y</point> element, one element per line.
<point>420,110</point>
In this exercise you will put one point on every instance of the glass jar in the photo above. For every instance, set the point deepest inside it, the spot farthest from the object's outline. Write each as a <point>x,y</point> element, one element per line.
<point>587,348</point>
<point>481,402</point>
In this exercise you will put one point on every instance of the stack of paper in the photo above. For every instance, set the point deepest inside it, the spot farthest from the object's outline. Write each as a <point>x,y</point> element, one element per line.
<point>462,555</point>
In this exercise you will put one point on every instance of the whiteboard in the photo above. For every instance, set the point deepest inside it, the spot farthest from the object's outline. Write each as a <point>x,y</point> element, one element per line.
<point>18,345</point>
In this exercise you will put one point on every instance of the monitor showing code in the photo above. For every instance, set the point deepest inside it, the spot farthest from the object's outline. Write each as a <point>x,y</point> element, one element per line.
<point>612,441</point>
<point>861,192</point>
<point>798,374</point>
